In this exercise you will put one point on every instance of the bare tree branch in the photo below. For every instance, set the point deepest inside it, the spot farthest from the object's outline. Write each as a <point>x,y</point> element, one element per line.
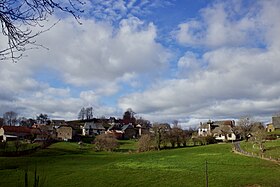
<point>18,17</point>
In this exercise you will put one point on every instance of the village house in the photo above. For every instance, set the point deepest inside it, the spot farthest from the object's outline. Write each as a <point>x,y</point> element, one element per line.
<point>220,130</point>
<point>17,132</point>
<point>91,129</point>
<point>64,133</point>
<point>115,130</point>
<point>224,132</point>
<point>129,132</point>
<point>269,128</point>
<point>47,132</point>
<point>206,128</point>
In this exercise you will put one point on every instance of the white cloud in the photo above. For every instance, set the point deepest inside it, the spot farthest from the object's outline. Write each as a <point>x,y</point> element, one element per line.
<point>230,79</point>
<point>97,54</point>
<point>95,57</point>
<point>221,24</point>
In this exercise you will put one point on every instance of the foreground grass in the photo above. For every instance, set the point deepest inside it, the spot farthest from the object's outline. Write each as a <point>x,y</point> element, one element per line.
<point>272,148</point>
<point>67,164</point>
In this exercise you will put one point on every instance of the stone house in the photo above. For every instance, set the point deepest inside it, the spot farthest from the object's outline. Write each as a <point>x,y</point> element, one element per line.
<point>64,133</point>
<point>91,129</point>
<point>270,128</point>
<point>129,131</point>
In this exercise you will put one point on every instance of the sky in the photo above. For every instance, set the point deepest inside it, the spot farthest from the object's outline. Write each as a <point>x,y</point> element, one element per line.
<point>182,60</point>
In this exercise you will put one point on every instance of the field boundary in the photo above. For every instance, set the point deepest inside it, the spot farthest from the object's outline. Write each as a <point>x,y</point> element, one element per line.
<point>238,150</point>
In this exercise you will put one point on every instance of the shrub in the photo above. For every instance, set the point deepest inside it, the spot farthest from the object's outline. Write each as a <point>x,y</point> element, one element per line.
<point>106,142</point>
<point>145,143</point>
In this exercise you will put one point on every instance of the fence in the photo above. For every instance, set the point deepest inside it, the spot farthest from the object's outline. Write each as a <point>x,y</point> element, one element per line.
<point>237,149</point>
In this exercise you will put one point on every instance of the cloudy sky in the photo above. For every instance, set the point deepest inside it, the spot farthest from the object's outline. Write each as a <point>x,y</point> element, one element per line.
<point>167,60</point>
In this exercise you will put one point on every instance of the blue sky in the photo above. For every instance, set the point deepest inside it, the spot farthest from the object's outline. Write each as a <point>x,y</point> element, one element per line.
<point>167,60</point>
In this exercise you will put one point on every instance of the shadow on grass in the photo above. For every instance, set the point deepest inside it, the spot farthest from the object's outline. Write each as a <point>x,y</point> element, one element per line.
<point>124,150</point>
<point>59,151</point>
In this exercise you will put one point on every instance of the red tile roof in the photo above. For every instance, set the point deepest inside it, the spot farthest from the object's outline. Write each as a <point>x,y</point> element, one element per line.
<point>17,129</point>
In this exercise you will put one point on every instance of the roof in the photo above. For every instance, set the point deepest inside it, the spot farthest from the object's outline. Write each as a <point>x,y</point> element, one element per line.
<point>92,125</point>
<point>223,129</point>
<point>224,122</point>
<point>114,127</point>
<point>17,129</point>
<point>129,126</point>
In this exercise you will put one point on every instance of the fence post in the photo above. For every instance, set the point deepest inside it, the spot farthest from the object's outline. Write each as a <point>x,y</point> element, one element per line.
<point>206,173</point>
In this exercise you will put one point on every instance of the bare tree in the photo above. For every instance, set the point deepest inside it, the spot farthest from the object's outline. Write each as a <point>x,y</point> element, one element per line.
<point>82,114</point>
<point>10,118</point>
<point>89,113</point>
<point>128,116</point>
<point>160,131</point>
<point>18,17</point>
<point>244,126</point>
<point>176,134</point>
<point>42,119</point>
<point>145,143</point>
<point>258,137</point>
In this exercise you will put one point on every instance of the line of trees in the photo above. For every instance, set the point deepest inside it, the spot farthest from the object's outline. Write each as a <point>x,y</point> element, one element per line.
<point>85,113</point>
<point>11,118</point>
<point>163,135</point>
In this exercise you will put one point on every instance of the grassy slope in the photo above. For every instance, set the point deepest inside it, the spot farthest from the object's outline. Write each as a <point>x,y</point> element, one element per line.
<point>64,164</point>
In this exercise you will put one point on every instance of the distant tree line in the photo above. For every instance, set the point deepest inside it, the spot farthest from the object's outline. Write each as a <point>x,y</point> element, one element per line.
<point>11,118</point>
<point>164,136</point>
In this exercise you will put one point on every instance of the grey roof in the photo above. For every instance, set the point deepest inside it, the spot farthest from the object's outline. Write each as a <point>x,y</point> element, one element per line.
<point>93,125</point>
<point>126,127</point>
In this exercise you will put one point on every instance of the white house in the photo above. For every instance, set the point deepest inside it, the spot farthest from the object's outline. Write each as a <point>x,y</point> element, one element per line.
<point>221,130</point>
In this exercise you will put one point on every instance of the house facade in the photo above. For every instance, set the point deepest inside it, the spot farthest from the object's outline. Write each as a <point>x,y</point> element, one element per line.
<point>270,127</point>
<point>64,133</point>
<point>206,128</point>
<point>220,130</point>
<point>129,131</point>
<point>91,129</point>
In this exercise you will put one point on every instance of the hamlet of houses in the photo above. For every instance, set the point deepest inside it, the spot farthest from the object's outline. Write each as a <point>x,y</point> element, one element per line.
<point>126,128</point>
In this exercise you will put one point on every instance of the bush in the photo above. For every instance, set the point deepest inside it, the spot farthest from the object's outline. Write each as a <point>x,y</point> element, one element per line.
<point>106,142</point>
<point>145,143</point>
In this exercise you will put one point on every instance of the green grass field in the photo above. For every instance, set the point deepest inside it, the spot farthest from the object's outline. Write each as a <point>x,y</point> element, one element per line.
<point>272,148</point>
<point>67,164</point>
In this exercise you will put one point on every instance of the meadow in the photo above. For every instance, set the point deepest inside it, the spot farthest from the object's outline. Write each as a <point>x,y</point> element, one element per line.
<point>68,164</point>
